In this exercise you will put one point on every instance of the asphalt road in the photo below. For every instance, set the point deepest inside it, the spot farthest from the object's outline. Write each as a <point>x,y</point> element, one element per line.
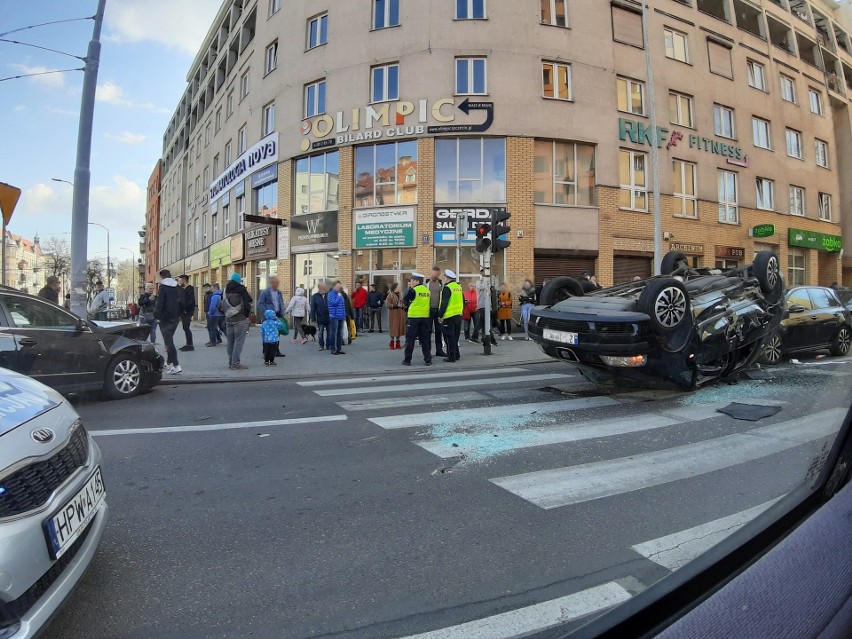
<point>356,511</point>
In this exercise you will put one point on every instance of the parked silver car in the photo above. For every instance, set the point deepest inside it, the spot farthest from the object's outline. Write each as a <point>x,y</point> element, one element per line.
<point>52,503</point>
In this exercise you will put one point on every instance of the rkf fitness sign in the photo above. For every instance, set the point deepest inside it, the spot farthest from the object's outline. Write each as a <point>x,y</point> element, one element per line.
<point>383,228</point>
<point>638,133</point>
<point>255,158</point>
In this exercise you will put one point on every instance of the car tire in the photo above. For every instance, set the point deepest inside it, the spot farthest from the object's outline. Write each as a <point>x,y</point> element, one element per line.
<point>666,302</point>
<point>672,262</point>
<point>766,268</point>
<point>842,342</point>
<point>123,377</point>
<point>560,289</point>
<point>772,349</point>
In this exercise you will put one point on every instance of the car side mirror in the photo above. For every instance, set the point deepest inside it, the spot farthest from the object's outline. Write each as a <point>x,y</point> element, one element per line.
<point>796,308</point>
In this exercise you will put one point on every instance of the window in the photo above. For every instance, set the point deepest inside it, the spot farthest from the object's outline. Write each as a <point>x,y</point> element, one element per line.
<point>824,205</point>
<point>685,188</point>
<point>760,131</point>
<point>244,85</point>
<point>317,31</point>
<point>627,26</point>
<point>386,174</point>
<point>677,46</point>
<point>214,225</point>
<point>227,154</point>
<point>470,76</point>
<point>205,180</point>
<point>385,13</point>
<point>470,170</point>
<point>274,6</point>
<point>241,212</point>
<point>815,101</point>
<point>822,298</point>
<point>216,164</point>
<point>729,211</point>
<point>191,153</point>
<point>204,230</point>
<point>314,98</point>
<point>266,200</point>
<point>797,200</point>
<point>31,313</point>
<point>788,89</point>
<point>241,140</point>
<point>208,130</point>
<point>229,105</point>
<point>226,220</point>
<point>756,75</point>
<point>470,9</point>
<point>821,151</point>
<point>271,58</point>
<point>384,82</point>
<point>796,275</point>
<point>632,171</point>
<point>564,173</point>
<point>723,122</point>
<point>765,194</point>
<point>218,119</point>
<point>556,80</point>
<point>631,96</point>
<point>317,183</point>
<point>794,143</point>
<point>719,56</point>
<point>554,12</point>
<point>268,118</point>
<point>680,109</point>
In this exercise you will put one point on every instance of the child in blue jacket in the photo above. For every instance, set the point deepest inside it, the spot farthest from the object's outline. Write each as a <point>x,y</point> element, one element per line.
<point>269,335</point>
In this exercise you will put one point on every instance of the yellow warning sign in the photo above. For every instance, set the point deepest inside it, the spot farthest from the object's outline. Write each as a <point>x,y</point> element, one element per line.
<point>9,196</point>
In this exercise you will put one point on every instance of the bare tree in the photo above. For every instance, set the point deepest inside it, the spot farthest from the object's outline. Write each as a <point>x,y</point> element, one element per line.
<point>57,259</point>
<point>94,273</point>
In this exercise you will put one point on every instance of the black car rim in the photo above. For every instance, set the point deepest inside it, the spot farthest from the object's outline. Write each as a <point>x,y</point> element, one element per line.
<point>772,350</point>
<point>126,376</point>
<point>670,307</point>
<point>773,273</point>
<point>844,341</point>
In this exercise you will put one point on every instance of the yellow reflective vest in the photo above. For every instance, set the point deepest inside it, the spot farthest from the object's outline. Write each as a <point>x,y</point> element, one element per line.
<point>456,305</point>
<point>419,307</point>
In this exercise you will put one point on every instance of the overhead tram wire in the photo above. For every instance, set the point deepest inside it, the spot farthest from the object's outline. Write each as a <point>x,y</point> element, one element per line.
<point>38,46</point>
<point>29,75</point>
<point>44,24</point>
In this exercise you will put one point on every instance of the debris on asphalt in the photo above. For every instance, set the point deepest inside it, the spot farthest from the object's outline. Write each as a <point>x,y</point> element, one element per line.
<point>749,412</point>
<point>263,434</point>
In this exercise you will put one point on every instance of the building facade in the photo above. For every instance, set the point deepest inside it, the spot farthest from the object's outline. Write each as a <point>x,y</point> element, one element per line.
<point>24,268</point>
<point>149,245</point>
<point>363,128</point>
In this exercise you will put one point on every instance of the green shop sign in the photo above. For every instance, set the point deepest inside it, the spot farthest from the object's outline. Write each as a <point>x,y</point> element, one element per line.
<point>220,254</point>
<point>385,227</point>
<point>814,240</point>
<point>763,230</point>
<point>639,133</point>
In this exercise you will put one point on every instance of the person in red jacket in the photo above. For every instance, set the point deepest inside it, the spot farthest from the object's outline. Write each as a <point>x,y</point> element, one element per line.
<point>359,303</point>
<point>469,310</point>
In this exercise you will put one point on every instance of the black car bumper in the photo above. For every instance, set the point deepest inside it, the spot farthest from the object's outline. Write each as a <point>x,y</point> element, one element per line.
<point>152,370</point>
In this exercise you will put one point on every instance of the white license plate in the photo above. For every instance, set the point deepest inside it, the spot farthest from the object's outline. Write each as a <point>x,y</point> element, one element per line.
<point>563,337</point>
<point>71,520</point>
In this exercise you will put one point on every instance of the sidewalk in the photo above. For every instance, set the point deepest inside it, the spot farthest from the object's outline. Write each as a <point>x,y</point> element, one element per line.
<point>369,353</point>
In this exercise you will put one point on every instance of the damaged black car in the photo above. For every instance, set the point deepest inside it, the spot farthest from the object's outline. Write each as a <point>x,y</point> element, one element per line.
<point>682,329</point>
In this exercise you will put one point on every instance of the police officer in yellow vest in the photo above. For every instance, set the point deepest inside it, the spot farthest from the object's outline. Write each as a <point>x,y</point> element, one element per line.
<point>419,324</point>
<point>450,314</point>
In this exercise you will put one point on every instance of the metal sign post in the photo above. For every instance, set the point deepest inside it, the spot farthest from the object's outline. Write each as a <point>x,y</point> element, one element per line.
<point>486,323</point>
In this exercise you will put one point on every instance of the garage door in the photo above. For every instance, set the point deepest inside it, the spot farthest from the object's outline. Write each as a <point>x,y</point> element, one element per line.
<point>625,268</point>
<point>550,265</point>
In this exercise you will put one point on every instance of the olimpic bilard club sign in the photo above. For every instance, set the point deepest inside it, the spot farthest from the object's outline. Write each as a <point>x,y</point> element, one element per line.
<point>391,120</point>
<point>256,157</point>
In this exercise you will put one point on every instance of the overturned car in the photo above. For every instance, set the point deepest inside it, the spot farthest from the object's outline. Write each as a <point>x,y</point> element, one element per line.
<point>681,329</point>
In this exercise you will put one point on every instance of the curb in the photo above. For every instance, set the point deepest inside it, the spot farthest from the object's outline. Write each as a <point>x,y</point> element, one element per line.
<point>184,381</point>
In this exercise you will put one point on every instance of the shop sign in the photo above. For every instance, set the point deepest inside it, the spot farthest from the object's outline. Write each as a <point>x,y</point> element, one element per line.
<point>198,261</point>
<point>240,189</point>
<point>391,120</point>
<point>687,248</point>
<point>385,227</point>
<point>313,232</point>
<point>814,240</point>
<point>283,244</point>
<point>762,230</point>
<point>444,220</point>
<point>237,247</point>
<point>640,133</point>
<point>258,156</point>
<point>261,243</point>
<point>265,176</point>
<point>220,253</point>
<point>731,252</point>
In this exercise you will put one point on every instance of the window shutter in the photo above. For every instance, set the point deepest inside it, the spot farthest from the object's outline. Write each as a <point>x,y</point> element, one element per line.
<point>720,59</point>
<point>626,26</point>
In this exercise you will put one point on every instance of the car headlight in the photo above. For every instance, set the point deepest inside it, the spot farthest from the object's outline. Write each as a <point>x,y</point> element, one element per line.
<point>634,361</point>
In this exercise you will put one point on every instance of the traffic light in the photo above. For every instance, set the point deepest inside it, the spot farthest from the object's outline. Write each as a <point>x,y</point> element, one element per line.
<point>483,239</point>
<point>499,229</point>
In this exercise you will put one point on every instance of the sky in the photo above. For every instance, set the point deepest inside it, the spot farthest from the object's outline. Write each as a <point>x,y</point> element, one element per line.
<point>147,49</point>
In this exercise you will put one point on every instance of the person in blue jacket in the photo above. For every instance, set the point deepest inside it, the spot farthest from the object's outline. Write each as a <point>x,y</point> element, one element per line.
<point>269,335</point>
<point>336,318</point>
<point>215,317</point>
<point>319,315</point>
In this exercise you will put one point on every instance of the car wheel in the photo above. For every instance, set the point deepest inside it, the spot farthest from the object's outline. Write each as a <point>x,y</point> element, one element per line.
<point>842,341</point>
<point>560,289</point>
<point>666,302</point>
<point>767,270</point>
<point>672,261</point>
<point>123,377</point>
<point>773,349</point>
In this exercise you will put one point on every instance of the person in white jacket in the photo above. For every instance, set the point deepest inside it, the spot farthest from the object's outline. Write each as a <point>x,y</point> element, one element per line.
<point>299,308</point>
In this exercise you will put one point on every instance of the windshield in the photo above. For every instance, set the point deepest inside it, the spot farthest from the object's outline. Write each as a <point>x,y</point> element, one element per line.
<point>415,319</point>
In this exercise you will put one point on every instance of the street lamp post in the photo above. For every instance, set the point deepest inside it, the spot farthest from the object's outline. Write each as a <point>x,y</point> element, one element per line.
<point>109,278</point>
<point>655,143</point>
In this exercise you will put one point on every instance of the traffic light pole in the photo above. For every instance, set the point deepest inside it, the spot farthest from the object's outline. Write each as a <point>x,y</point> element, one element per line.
<point>486,321</point>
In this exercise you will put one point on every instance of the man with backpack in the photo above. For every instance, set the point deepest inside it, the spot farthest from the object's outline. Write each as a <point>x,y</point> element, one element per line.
<point>236,306</point>
<point>215,317</point>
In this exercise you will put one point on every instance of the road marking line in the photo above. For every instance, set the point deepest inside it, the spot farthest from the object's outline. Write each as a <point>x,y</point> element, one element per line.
<point>430,385</point>
<point>536,618</point>
<point>392,422</point>
<point>678,549</point>
<point>586,482</point>
<point>380,403</point>
<point>403,378</point>
<point>207,427</point>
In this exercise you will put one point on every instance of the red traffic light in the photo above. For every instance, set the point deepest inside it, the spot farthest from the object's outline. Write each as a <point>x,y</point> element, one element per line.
<point>483,239</point>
